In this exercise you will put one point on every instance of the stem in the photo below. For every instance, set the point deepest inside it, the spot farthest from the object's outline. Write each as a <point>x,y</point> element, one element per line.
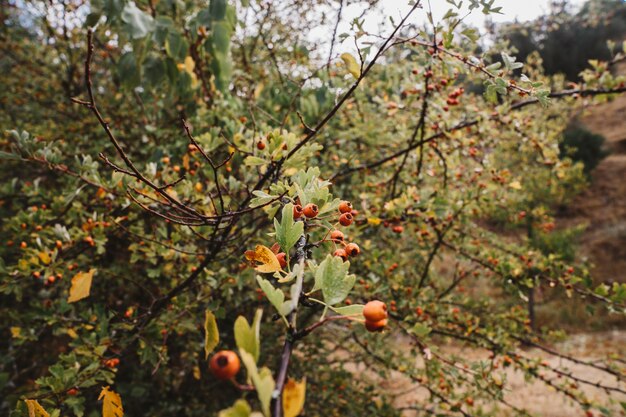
<point>285,357</point>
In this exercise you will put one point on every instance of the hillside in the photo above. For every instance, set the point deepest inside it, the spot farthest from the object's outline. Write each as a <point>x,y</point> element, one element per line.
<point>603,205</point>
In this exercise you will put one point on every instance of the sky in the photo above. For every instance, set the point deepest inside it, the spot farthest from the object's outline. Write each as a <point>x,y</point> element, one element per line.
<point>521,10</point>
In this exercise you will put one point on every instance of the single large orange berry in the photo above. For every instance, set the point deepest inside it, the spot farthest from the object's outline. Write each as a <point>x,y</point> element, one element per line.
<point>375,311</point>
<point>346,219</point>
<point>337,235</point>
<point>225,364</point>
<point>282,259</point>
<point>352,249</point>
<point>310,210</point>
<point>345,207</point>
<point>297,211</point>
<point>375,326</point>
<point>342,254</point>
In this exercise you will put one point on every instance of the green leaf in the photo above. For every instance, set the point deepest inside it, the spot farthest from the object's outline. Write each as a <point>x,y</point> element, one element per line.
<point>288,231</point>
<point>351,65</point>
<point>333,279</point>
<point>274,295</point>
<point>154,70</point>
<point>352,310</point>
<point>9,155</point>
<point>248,337</point>
<point>211,334</point>
<point>262,380</point>
<point>138,23</point>
<point>241,408</point>
<point>128,70</point>
<point>420,330</point>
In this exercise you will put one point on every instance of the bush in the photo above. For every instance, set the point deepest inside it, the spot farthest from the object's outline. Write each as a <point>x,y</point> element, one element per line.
<point>584,146</point>
<point>155,157</point>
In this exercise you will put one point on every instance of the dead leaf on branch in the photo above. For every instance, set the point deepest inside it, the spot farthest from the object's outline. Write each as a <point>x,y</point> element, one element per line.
<point>81,286</point>
<point>268,262</point>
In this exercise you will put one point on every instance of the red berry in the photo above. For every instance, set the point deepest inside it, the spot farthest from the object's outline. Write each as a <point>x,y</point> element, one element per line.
<point>345,207</point>
<point>337,236</point>
<point>297,211</point>
<point>282,259</point>
<point>375,311</point>
<point>260,145</point>
<point>311,210</point>
<point>342,254</point>
<point>225,364</point>
<point>398,229</point>
<point>375,326</point>
<point>346,219</point>
<point>352,249</point>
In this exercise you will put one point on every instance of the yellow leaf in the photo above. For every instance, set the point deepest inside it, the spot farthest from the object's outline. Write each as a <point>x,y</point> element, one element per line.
<point>81,285</point>
<point>515,185</point>
<point>211,334</point>
<point>265,256</point>
<point>375,221</point>
<point>44,257</point>
<point>35,410</point>
<point>72,333</point>
<point>293,397</point>
<point>111,403</point>
<point>189,66</point>
<point>16,332</point>
<point>351,65</point>
<point>196,372</point>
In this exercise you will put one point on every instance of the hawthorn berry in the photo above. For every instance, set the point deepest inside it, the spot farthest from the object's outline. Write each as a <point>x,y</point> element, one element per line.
<point>345,207</point>
<point>260,145</point>
<point>282,259</point>
<point>375,311</point>
<point>72,392</point>
<point>342,254</point>
<point>346,219</point>
<point>225,364</point>
<point>337,236</point>
<point>398,229</point>
<point>310,210</point>
<point>375,326</point>
<point>352,249</point>
<point>297,211</point>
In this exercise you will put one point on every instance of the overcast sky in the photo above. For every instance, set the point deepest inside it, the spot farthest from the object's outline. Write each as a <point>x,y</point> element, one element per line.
<point>520,10</point>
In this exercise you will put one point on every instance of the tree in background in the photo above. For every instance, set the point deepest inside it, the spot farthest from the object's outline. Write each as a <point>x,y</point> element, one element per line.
<point>181,178</point>
<point>567,40</point>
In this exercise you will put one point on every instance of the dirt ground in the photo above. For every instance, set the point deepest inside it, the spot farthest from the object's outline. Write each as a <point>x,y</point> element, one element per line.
<point>603,205</point>
<point>536,398</point>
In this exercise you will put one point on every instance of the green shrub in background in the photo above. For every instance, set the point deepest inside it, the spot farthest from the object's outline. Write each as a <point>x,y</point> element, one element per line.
<point>584,146</point>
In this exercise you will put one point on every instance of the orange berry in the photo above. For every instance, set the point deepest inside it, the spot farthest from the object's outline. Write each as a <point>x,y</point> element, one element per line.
<point>375,311</point>
<point>337,235</point>
<point>225,364</point>
<point>37,274</point>
<point>260,145</point>
<point>59,244</point>
<point>352,249</point>
<point>375,326</point>
<point>398,229</point>
<point>72,391</point>
<point>310,210</point>
<point>23,245</point>
<point>297,211</point>
<point>282,259</point>
<point>51,279</point>
<point>342,254</point>
<point>165,160</point>
<point>345,207</point>
<point>346,219</point>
